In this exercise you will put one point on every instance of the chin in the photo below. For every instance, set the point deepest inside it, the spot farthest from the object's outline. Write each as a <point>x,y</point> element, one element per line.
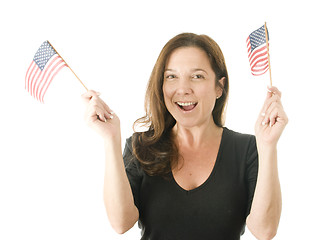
<point>186,123</point>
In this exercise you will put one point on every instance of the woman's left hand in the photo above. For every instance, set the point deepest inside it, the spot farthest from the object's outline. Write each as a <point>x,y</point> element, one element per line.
<point>272,119</point>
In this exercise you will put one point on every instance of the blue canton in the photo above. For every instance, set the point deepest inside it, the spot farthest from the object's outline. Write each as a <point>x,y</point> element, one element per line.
<point>44,53</point>
<point>257,38</point>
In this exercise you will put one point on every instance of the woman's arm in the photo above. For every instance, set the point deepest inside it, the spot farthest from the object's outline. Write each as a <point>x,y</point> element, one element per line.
<point>118,198</point>
<point>264,217</point>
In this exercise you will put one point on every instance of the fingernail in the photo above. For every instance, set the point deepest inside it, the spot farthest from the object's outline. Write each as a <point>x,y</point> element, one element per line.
<point>111,116</point>
<point>269,87</point>
<point>263,123</point>
<point>263,114</point>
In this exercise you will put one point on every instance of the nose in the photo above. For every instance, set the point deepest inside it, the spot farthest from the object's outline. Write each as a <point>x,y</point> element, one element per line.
<point>184,87</point>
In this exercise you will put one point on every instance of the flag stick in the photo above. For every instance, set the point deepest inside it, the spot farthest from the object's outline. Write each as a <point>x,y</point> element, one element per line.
<point>268,52</point>
<point>69,67</point>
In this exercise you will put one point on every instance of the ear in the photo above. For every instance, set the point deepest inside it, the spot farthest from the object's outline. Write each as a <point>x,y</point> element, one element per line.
<point>219,90</point>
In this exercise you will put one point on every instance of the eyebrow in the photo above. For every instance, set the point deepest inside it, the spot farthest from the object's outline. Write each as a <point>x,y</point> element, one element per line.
<point>199,69</point>
<point>193,70</point>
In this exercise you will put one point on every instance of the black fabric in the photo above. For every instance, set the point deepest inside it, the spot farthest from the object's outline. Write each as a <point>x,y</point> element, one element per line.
<point>215,210</point>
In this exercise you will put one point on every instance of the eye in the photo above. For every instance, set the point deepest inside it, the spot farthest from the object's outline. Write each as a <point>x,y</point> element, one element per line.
<point>170,76</point>
<point>198,76</point>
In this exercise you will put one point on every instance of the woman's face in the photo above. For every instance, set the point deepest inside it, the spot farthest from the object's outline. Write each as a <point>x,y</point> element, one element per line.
<point>189,87</point>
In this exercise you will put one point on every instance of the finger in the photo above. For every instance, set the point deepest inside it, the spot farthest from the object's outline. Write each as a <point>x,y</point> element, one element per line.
<point>101,109</point>
<point>98,108</point>
<point>94,96</point>
<point>89,94</point>
<point>98,102</point>
<point>273,93</point>
<point>275,108</point>
<point>268,112</point>
<point>107,108</point>
<point>273,116</point>
<point>274,90</point>
<point>95,112</point>
<point>96,105</point>
<point>102,117</point>
<point>268,102</point>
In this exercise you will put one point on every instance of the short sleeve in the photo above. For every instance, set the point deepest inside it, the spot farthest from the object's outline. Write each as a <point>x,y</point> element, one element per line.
<point>251,171</point>
<point>133,170</point>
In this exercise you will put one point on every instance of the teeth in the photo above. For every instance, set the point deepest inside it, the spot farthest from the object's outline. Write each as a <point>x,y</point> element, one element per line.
<point>186,103</point>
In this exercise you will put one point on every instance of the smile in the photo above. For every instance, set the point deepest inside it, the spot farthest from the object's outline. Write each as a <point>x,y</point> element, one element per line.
<point>186,106</point>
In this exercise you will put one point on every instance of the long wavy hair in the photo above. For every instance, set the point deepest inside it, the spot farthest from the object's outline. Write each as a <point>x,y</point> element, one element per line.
<point>155,148</point>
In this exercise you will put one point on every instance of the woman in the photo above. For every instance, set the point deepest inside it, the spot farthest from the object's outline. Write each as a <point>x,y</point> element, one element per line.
<point>187,176</point>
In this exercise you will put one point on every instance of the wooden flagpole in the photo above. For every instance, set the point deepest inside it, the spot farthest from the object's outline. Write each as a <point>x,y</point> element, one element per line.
<point>268,51</point>
<point>69,67</point>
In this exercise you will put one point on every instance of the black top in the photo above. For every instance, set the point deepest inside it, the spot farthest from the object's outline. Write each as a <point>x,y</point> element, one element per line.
<point>215,210</point>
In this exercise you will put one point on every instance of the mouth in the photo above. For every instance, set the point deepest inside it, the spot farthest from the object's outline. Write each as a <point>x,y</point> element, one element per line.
<point>186,106</point>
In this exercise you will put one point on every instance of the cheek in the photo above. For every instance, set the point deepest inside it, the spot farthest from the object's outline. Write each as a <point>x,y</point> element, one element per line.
<point>207,90</point>
<point>167,92</point>
<point>209,95</point>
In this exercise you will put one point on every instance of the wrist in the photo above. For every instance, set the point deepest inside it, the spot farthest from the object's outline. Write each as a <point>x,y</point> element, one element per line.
<point>267,154</point>
<point>112,140</point>
<point>266,147</point>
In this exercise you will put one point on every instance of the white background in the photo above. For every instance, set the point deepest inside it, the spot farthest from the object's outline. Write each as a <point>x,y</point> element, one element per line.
<point>51,163</point>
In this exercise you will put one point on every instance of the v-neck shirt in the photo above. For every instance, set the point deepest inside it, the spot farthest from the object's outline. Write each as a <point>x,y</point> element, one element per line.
<point>217,209</point>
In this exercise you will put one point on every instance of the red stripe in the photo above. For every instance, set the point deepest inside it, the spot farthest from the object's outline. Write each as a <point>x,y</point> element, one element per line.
<point>35,74</point>
<point>27,75</point>
<point>248,45</point>
<point>32,72</point>
<point>32,89</point>
<point>64,65</point>
<point>43,75</point>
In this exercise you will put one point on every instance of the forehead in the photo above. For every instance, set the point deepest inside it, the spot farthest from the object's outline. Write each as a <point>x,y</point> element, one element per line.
<point>188,56</point>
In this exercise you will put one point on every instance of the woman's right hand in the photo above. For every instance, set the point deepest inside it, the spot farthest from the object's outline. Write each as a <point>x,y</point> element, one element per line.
<point>100,117</point>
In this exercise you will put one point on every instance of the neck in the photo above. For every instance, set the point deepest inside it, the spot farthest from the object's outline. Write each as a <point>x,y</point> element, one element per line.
<point>197,136</point>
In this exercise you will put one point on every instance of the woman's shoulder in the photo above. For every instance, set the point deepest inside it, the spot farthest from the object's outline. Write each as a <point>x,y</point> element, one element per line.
<point>235,138</point>
<point>128,154</point>
<point>242,145</point>
<point>132,143</point>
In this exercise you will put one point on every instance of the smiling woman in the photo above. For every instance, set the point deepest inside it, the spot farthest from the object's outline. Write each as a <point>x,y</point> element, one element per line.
<point>189,69</point>
<point>188,176</point>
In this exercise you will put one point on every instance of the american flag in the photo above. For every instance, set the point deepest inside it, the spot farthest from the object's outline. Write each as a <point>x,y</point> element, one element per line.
<point>43,68</point>
<point>257,51</point>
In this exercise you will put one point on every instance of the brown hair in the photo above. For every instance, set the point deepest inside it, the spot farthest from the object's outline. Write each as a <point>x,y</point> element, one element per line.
<point>155,149</point>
